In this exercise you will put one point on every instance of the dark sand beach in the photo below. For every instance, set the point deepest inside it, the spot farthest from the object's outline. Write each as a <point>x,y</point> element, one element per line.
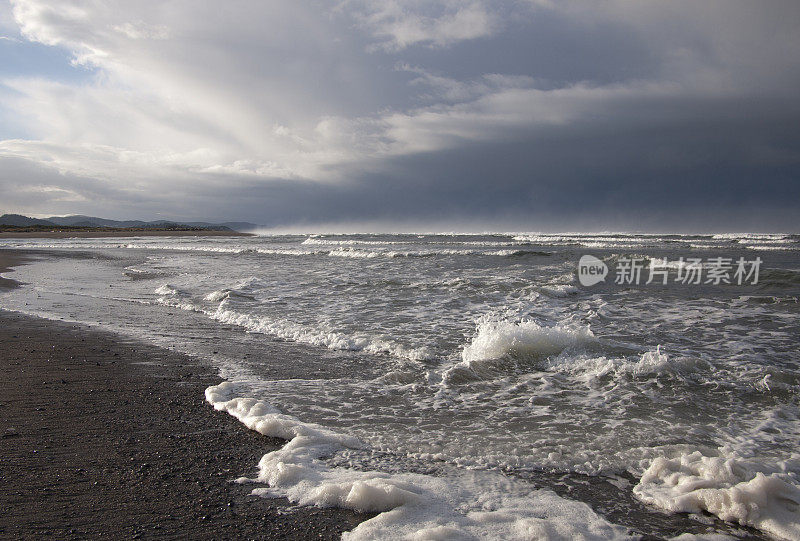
<point>8,259</point>
<point>103,436</point>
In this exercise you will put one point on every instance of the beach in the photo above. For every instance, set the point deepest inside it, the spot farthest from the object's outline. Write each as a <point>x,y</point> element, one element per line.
<point>184,364</point>
<point>8,259</point>
<point>400,271</point>
<point>107,437</point>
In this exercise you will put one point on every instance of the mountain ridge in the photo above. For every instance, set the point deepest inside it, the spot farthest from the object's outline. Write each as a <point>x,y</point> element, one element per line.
<point>80,220</point>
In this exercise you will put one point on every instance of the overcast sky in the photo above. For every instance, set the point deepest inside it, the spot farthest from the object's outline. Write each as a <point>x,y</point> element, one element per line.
<point>406,114</point>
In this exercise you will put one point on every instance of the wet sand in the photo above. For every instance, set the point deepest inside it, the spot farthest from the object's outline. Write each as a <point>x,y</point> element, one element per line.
<point>9,259</point>
<point>104,436</point>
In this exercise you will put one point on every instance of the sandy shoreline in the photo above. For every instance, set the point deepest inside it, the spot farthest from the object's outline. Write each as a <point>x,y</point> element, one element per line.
<point>9,259</point>
<point>122,234</point>
<point>112,437</point>
<point>104,436</point>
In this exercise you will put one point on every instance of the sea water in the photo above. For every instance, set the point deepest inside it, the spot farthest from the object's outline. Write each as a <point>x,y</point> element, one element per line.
<point>467,386</point>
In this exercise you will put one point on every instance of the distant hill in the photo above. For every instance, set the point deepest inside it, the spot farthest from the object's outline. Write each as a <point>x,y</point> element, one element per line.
<point>22,221</point>
<point>92,221</point>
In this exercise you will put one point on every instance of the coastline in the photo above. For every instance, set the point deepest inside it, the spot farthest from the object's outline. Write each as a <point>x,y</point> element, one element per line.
<point>163,406</point>
<point>103,234</point>
<point>105,436</point>
<point>8,260</point>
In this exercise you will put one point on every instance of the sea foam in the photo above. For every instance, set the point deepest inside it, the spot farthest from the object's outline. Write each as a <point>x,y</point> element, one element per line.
<point>497,338</point>
<point>464,505</point>
<point>767,498</point>
<point>296,332</point>
<point>166,290</point>
<point>497,345</point>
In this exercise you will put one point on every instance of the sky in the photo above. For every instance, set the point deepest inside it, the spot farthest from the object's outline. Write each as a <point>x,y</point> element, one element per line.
<point>474,115</point>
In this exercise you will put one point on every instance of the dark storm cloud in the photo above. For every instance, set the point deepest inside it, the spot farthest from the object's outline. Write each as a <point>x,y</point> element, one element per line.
<point>715,176</point>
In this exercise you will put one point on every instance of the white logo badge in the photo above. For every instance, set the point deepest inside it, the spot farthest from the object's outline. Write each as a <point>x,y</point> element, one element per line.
<point>591,270</point>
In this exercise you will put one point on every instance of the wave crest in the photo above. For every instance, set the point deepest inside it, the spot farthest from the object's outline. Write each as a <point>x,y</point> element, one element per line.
<point>497,338</point>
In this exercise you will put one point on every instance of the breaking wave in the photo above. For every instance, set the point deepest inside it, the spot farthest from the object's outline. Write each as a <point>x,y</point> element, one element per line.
<point>497,338</point>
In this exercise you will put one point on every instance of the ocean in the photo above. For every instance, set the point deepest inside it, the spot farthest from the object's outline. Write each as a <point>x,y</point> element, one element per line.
<point>469,386</point>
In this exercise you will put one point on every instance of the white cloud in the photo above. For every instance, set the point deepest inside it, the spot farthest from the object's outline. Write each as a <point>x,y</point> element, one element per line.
<point>171,88</point>
<point>54,194</point>
<point>500,113</point>
<point>398,24</point>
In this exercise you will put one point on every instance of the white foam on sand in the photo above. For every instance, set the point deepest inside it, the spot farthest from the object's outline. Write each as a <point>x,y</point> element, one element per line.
<point>465,505</point>
<point>702,537</point>
<point>736,490</point>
